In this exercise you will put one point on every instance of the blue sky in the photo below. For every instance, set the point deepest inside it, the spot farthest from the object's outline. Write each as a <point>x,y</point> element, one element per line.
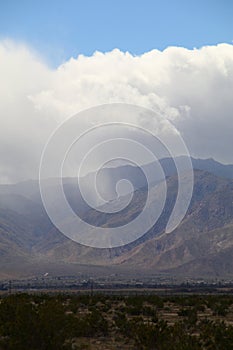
<point>58,30</point>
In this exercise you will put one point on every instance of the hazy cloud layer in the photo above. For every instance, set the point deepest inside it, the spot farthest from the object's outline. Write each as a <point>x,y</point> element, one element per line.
<point>191,88</point>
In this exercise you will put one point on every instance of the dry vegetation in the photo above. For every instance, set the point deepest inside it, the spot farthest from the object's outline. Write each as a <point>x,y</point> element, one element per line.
<point>43,322</point>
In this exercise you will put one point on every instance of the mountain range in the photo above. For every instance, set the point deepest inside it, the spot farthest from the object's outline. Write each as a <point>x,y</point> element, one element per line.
<point>201,246</point>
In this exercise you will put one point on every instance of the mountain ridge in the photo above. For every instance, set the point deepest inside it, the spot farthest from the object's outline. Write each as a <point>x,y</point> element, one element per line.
<point>28,237</point>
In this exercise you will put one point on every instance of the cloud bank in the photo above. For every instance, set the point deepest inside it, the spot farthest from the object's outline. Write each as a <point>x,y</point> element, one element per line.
<point>191,88</point>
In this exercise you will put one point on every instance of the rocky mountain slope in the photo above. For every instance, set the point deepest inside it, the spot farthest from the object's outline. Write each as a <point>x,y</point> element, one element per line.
<point>202,244</point>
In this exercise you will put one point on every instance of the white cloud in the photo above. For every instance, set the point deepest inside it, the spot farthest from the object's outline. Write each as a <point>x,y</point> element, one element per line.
<point>192,88</point>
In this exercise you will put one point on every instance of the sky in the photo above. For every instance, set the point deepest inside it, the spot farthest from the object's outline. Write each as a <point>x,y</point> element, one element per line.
<point>58,30</point>
<point>58,58</point>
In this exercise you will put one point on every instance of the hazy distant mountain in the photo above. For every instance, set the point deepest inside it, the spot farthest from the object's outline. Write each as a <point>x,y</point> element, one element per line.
<point>30,188</point>
<point>201,245</point>
<point>210,165</point>
<point>209,221</point>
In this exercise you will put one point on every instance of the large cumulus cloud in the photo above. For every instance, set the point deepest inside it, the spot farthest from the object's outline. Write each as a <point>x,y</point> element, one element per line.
<point>191,88</point>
